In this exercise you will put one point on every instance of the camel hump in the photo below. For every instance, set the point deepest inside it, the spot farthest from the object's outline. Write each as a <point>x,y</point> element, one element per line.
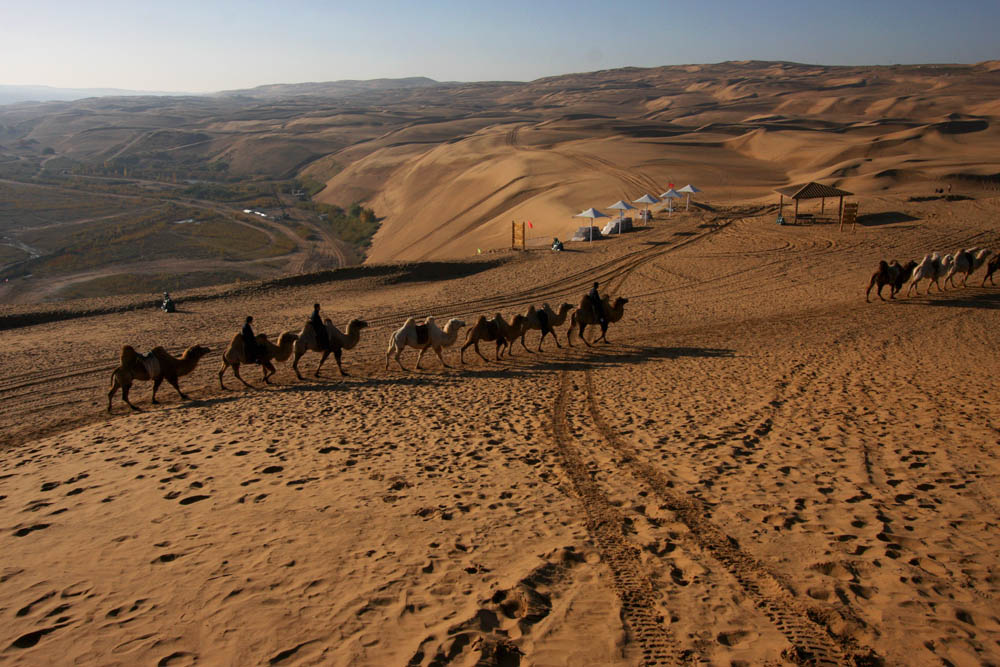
<point>883,265</point>
<point>128,356</point>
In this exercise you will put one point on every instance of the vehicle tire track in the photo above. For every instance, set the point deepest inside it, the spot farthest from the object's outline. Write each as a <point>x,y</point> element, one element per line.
<point>605,526</point>
<point>811,644</point>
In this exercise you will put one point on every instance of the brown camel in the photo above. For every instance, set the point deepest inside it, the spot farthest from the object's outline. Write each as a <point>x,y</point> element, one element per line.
<point>892,274</point>
<point>545,320</point>
<point>235,355</point>
<point>339,342</point>
<point>488,330</point>
<point>585,316</point>
<point>157,366</point>
<point>511,331</point>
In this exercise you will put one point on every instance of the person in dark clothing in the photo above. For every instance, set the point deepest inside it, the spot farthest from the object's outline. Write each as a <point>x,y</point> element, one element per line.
<point>598,305</point>
<point>322,336</point>
<point>250,348</point>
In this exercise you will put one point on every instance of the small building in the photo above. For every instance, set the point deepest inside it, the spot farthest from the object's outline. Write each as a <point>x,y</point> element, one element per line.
<point>812,190</point>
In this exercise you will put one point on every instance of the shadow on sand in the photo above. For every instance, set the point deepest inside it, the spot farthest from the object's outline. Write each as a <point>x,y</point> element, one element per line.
<point>989,300</point>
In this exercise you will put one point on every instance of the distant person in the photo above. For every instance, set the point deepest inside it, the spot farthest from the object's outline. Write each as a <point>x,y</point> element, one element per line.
<point>598,305</point>
<point>168,304</point>
<point>250,349</point>
<point>322,335</point>
<point>557,245</point>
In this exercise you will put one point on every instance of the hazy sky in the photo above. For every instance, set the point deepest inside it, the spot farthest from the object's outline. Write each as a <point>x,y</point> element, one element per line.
<point>207,45</point>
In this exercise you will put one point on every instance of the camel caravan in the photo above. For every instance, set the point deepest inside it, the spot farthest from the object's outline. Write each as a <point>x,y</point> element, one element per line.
<point>934,268</point>
<point>158,365</point>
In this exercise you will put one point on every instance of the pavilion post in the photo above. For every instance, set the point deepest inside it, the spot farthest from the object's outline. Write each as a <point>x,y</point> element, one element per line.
<point>841,214</point>
<point>796,219</point>
<point>822,205</point>
<point>781,203</point>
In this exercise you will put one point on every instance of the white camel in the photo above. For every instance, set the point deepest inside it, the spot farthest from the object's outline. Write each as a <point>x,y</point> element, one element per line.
<point>932,267</point>
<point>967,262</point>
<point>421,337</point>
<point>339,341</point>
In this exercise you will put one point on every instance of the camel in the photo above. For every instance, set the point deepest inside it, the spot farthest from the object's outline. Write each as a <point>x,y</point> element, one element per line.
<point>967,262</point>
<point>511,330</point>
<point>545,320</point>
<point>485,329</point>
<point>585,316</point>
<point>339,341</point>
<point>421,337</point>
<point>157,366</point>
<point>991,268</point>
<point>932,267</point>
<point>892,274</point>
<point>235,355</point>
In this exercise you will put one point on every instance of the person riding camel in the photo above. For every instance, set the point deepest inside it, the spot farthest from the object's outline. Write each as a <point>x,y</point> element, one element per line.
<point>322,335</point>
<point>598,305</point>
<point>250,348</point>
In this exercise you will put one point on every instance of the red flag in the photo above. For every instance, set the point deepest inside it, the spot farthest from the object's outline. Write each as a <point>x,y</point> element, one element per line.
<point>530,225</point>
<point>670,185</point>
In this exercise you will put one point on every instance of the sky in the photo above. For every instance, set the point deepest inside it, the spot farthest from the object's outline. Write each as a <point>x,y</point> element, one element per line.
<point>208,45</point>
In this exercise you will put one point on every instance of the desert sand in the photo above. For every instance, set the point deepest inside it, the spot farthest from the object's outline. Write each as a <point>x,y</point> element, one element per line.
<point>759,469</point>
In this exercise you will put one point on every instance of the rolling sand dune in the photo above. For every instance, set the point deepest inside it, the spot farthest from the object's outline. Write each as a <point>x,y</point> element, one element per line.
<point>760,468</point>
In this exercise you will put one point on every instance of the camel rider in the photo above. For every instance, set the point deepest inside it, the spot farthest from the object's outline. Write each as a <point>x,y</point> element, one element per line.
<point>598,305</point>
<point>322,335</point>
<point>250,348</point>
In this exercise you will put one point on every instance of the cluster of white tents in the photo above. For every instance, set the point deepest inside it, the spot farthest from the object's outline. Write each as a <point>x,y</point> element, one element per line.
<point>621,206</point>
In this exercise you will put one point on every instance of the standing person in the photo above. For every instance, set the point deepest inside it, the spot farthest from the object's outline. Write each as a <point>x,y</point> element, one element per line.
<point>322,336</point>
<point>250,342</point>
<point>598,305</point>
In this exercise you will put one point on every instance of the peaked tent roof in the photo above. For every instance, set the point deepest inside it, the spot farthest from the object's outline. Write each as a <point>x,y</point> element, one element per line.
<point>812,190</point>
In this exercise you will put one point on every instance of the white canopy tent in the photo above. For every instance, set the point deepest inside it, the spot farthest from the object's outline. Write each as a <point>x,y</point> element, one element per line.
<point>593,214</point>
<point>689,190</point>
<point>670,195</point>
<point>622,206</point>
<point>646,199</point>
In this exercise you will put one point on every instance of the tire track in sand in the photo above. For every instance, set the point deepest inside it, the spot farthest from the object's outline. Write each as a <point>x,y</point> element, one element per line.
<point>811,644</point>
<point>605,525</point>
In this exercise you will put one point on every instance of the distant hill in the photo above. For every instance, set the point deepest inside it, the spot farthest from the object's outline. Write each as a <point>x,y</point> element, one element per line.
<point>14,94</point>
<point>332,88</point>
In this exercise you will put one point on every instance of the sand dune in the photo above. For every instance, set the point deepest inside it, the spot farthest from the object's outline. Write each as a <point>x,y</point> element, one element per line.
<point>760,468</point>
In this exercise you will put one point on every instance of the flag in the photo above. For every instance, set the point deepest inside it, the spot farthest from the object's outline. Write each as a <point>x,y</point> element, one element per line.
<point>531,226</point>
<point>670,185</point>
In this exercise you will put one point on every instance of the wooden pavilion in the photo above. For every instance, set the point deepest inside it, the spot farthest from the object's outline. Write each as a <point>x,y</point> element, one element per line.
<point>812,190</point>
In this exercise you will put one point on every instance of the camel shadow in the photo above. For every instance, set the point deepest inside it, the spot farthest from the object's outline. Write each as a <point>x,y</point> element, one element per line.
<point>982,299</point>
<point>569,359</point>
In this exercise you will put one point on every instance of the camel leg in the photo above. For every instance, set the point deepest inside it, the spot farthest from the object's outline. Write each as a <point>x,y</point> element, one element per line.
<point>461,356</point>
<point>477,352</point>
<point>295,364</point>
<point>437,350</point>
<point>399,351</point>
<point>869,292</point>
<point>268,369</point>
<point>555,337</point>
<point>225,365</point>
<point>236,372</point>
<point>337,354</point>
<point>420,356</point>
<point>499,345</point>
<point>523,345</point>
<point>582,337</point>
<point>173,383</point>
<point>111,392</point>
<point>156,385</point>
<point>326,353</point>
<point>125,388</point>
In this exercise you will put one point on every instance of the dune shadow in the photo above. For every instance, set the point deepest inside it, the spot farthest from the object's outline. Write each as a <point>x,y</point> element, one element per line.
<point>981,299</point>
<point>886,218</point>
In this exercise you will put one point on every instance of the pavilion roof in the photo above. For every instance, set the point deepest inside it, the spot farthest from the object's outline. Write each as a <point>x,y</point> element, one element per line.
<point>812,190</point>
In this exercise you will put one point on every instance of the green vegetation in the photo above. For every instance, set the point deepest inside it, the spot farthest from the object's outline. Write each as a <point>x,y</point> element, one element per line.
<point>357,225</point>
